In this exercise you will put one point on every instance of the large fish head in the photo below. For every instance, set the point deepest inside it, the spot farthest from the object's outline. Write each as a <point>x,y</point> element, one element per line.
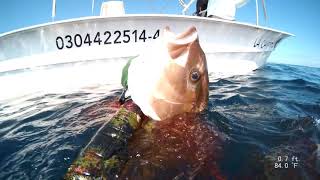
<point>183,85</point>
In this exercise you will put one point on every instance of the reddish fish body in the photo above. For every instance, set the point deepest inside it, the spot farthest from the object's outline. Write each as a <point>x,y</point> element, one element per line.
<point>171,79</point>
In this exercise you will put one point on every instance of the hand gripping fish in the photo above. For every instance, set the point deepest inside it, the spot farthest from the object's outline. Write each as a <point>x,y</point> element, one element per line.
<point>170,78</point>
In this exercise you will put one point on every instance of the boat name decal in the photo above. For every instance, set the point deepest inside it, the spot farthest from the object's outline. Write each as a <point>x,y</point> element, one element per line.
<point>105,38</point>
<point>264,44</point>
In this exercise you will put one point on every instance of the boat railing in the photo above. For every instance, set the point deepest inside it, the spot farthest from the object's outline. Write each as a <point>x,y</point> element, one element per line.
<point>185,6</point>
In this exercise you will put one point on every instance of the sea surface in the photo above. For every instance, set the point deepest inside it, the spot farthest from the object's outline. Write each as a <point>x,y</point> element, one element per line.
<point>269,120</point>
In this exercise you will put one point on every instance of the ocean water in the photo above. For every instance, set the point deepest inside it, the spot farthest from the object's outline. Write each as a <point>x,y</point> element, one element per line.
<point>268,123</point>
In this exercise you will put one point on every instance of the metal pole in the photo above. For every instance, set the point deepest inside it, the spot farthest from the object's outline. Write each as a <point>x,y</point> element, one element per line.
<point>92,7</point>
<point>264,11</point>
<point>53,14</point>
<point>257,13</point>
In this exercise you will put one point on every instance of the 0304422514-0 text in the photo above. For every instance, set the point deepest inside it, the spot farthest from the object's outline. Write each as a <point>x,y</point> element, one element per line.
<point>105,38</point>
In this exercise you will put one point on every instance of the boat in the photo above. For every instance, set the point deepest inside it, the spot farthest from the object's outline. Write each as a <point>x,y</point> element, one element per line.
<point>231,47</point>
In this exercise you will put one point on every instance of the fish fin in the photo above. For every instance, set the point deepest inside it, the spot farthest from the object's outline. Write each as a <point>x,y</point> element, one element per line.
<point>176,50</point>
<point>178,44</point>
<point>124,76</point>
<point>187,33</point>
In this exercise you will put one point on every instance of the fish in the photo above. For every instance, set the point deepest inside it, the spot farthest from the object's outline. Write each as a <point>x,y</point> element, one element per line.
<point>171,77</point>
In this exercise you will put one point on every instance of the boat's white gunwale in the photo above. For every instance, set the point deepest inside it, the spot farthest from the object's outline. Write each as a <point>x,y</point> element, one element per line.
<point>140,16</point>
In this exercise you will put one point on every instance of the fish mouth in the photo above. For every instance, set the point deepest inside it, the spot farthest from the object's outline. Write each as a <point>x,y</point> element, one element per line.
<point>172,102</point>
<point>194,106</point>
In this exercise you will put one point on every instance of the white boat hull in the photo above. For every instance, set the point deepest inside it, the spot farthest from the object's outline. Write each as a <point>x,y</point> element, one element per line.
<point>230,47</point>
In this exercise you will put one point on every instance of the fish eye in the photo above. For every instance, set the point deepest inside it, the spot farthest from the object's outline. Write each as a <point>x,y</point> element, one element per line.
<point>194,75</point>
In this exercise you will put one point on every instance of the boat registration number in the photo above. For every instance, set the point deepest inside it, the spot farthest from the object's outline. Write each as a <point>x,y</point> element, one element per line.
<point>105,38</point>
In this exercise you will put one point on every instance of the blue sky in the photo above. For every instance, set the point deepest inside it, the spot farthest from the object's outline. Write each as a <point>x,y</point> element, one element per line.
<point>300,18</point>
